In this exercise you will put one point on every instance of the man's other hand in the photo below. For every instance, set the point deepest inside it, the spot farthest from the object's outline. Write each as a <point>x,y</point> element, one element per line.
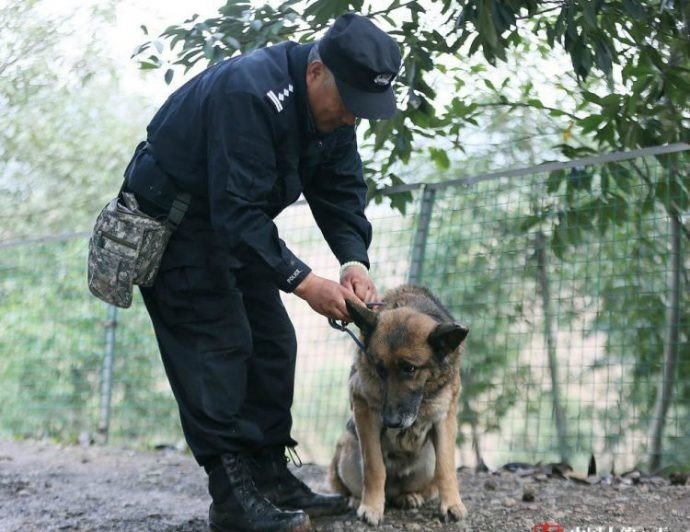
<point>356,278</point>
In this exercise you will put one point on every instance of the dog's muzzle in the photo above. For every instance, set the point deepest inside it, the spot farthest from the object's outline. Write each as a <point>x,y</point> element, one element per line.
<point>403,414</point>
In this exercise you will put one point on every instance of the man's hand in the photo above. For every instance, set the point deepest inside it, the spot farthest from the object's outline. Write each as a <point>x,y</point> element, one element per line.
<point>326,297</point>
<point>356,278</point>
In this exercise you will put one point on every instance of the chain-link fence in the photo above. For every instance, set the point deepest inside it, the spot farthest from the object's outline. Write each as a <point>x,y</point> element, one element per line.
<point>573,279</point>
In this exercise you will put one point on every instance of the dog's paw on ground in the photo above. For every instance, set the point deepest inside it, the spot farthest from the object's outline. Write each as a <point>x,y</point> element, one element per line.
<point>370,515</point>
<point>408,500</point>
<point>454,512</point>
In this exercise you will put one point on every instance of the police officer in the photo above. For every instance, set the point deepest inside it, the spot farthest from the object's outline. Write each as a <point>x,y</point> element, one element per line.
<point>245,138</point>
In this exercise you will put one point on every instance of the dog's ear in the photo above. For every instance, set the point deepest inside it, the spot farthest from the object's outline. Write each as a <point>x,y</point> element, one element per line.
<point>447,337</point>
<point>364,318</point>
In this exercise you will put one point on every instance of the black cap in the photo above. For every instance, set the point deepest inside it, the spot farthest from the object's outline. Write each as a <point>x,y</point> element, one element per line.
<point>364,61</point>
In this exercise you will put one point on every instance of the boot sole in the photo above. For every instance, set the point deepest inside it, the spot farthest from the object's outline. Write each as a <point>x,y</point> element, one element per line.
<point>304,527</point>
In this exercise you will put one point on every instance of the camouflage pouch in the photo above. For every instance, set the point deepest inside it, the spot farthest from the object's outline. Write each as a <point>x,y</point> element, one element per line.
<point>126,248</point>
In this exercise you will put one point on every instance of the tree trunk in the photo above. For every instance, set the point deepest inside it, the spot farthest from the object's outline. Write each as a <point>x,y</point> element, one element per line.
<point>470,416</point>
<point>664,389</point>
<point>550,339</point>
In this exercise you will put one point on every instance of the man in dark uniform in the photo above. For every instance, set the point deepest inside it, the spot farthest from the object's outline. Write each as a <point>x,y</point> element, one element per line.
<point>245,138</point>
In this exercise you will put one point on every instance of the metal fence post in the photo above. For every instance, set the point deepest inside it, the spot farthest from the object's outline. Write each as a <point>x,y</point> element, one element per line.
<point>421,234</point>
<point>107,375</point>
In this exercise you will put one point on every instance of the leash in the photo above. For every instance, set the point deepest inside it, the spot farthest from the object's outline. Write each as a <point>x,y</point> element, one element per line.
<point>342,326</point>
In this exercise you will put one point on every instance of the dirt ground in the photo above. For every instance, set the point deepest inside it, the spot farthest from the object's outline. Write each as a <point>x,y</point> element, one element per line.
<point>52,487</point>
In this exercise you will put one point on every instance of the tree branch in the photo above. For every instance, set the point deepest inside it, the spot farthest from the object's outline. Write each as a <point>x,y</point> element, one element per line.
<point>527,105</point>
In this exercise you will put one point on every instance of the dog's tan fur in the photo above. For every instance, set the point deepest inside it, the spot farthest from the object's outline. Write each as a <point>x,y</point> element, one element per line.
<point>400,443</point>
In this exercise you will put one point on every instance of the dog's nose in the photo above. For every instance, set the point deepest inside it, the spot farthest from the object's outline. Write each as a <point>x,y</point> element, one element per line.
<point>392,421</point>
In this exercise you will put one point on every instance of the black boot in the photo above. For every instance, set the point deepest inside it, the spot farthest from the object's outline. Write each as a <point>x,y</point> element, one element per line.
<point>282,488</point>
<point>238,505</point>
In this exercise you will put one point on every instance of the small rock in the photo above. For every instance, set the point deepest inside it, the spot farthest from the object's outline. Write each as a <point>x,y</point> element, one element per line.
<point>618,512</point>
<point>678,478</point>
<point>85,439</point>
<point>412,526</point>
<point>490,484</point>
<point>528,494</point>
<point>541,477</point>
<point>509,502</point>
<point>337,526</point>
<point>634,476</point>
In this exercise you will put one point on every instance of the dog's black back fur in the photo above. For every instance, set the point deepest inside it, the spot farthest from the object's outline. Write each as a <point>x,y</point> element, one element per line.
<point>418,298</point>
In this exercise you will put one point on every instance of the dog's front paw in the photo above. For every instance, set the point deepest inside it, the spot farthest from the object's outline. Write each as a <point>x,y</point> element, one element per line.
<point>409,500</point>
<point>369,515</point>
<point>453,512</point>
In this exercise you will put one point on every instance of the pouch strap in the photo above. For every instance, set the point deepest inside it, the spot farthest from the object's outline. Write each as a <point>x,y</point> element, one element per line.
<point>178,209</point>
<point>181,202</point>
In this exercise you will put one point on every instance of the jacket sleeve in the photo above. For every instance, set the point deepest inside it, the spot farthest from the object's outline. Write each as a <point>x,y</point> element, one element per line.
<point>242,172</point>
<point>337,197</point>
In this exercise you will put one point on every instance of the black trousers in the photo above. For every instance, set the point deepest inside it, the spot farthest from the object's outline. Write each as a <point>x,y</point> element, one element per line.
<point>227,344</point>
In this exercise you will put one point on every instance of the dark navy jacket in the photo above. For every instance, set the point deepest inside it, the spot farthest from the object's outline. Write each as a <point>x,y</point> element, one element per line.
<point>240,138</point>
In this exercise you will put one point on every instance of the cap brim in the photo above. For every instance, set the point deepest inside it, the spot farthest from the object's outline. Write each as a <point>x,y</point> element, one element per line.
<point>369,105</point>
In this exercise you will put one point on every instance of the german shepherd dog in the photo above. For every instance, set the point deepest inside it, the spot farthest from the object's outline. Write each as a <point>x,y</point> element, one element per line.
<point>399,446</point>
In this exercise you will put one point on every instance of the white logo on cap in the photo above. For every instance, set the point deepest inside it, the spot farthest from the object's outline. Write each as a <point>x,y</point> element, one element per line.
<point>383,79</point>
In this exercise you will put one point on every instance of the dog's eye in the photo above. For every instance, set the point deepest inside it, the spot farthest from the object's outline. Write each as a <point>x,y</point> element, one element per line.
<point>408,369</point>
<point>381,370</point>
